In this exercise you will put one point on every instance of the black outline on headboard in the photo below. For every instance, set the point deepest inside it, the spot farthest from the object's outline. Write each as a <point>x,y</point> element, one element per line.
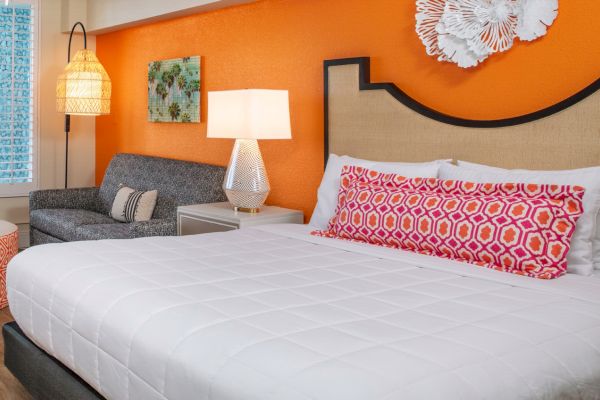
<point>364,64</point>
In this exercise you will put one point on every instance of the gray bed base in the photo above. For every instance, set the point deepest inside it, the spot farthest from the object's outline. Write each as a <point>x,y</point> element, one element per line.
<point>41,374</point>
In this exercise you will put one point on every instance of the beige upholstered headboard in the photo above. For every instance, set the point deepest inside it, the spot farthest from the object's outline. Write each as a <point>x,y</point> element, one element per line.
<point>380,122</point>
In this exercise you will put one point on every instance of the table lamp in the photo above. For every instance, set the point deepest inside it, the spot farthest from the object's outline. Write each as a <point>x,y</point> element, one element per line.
<point>248,115</point>
<point>83,88</point>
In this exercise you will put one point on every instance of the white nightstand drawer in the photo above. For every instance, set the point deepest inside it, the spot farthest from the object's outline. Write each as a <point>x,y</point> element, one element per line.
<point>221,217</point>
<point>193,226</point>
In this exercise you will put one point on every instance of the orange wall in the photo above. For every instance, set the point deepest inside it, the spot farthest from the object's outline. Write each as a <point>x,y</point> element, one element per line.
<point>281,44</point>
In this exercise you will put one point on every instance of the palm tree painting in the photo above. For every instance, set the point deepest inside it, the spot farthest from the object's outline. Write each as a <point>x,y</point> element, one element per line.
<point>174,90</point>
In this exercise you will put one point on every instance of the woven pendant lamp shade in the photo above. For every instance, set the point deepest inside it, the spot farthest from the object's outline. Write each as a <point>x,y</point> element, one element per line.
<point>84,87</point>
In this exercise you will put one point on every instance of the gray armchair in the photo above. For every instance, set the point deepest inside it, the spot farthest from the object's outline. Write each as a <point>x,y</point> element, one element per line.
<point>66,215</point>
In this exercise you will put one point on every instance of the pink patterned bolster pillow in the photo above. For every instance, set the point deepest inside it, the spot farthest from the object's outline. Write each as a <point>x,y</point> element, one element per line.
<point>351,174</point>
<point>523,229</point>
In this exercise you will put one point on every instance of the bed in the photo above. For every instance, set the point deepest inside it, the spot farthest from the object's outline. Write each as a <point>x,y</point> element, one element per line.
<point>306,318</point>
<point>277,313</point>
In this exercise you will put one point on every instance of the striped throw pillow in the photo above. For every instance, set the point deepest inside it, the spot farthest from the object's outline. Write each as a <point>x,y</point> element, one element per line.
<point>132,205</point>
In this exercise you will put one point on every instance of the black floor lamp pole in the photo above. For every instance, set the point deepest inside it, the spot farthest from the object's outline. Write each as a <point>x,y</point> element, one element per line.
<point>68,116</point>
<point>67,130</point>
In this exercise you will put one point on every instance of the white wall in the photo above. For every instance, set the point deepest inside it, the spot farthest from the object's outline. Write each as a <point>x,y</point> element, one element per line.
<point>82,141</point>
<point>107,15</point>
<point>53,59</point>
<point>73,11</point>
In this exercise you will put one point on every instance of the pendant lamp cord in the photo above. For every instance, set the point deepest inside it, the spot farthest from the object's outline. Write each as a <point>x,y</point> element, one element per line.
<point>67,116</point>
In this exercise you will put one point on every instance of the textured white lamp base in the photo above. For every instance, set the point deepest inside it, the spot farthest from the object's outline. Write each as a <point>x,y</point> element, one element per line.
<point>246,183</point>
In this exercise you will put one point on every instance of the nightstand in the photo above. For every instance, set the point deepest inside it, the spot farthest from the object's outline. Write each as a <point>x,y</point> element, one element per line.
<point>220,217</point>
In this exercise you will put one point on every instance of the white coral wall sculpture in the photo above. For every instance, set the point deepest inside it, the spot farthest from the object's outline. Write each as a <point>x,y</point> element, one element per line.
<point>466,32</point>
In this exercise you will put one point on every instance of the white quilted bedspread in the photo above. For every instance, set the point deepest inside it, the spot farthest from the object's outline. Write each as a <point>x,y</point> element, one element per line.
<point>275,314</point>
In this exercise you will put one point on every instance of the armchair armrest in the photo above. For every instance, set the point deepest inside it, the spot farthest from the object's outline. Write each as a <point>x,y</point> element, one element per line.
<point>154,227</point>
<point>83,198</point>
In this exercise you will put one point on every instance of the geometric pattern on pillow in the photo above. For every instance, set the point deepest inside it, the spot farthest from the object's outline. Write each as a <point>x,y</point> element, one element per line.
<point>585,243</point>
<point>523,229</point>
<point>351,174</point>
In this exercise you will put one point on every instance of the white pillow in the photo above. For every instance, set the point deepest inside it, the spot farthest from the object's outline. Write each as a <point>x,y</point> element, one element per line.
<point>580,259</point>
<point>132,205</point>
<point>327,195</point>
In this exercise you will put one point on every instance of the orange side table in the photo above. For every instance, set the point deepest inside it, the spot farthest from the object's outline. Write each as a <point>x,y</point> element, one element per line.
<point>9,247</point>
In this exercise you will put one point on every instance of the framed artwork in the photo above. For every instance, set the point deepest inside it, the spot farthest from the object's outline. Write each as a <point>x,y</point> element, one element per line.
<point>174,90</point>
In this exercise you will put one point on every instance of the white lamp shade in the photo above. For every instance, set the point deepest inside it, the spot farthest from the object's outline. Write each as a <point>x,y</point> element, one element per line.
<point>249,114</point>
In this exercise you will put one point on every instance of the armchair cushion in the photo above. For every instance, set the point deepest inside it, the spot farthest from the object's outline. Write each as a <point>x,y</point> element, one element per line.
<point>84,198</point>
<point>178,182</point>
<point>62,223</point>
<point>104,231</point>
<point>154,227</point>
